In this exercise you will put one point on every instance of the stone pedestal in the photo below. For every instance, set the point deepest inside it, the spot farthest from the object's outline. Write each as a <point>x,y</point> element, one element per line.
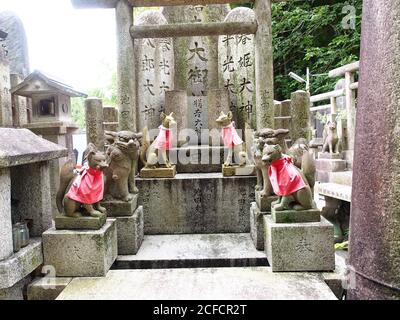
<point>158,172</point>
<point>291,216</point>
<point>81,253</point>
<point>82,223</point>
<point>257,226</point>
<point>299,246</point>
<point>264,203</point>
<point>300,112</point>
<point>118,208</point>
<point>328,164</point>
<point>238,171</point>
<point>330,156</point>
<point>6,242</point>
<point>130,231</point>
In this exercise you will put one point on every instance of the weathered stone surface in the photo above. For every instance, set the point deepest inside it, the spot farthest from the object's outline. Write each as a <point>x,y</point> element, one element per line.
<point>81,253</point>
<point>47,288</point>
<point>237,69</point>
<point>196,203</point>
<point>264,65</point>
<point>126,75</point>
<point>21,264</point>
<point>330,156</point>
<point>177,102</point>
<point>264,203</point>
<point>16,42</point>
<point>30,148</point>
<point>335,190</point>
<point>293,216</point>
<point>238,171</point>
<point>110,115</point>
<point>36,205</point>
<point>300,112</point>
<point>117,208</point>
<point>19,103</point>
<point>6,242</point>
<point>330,165</point>
<point>256,283</point>
<point>130,232</point>
<point>194,251</point>
<point>158,172</point>
<point>82,223</point>
<point>341,177</point>
<point>16,292</point>
<point>198,118</point>
<point>257,226</point>
<point>299,246</point>
<point>154,64</point>
<point>94,122</point>
<point>6,119</point>
<point>375,219</point>
<point>218,101</point>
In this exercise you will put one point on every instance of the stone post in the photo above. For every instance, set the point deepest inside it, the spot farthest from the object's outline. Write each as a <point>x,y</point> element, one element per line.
<point>19,103</point>
<point>94,122</point>
<point>5,95</point>
<point>125,67</point>
<point>277,111</point>
<point>350,109</point>
<point>374,253</point>
<point>264,65</point>
<point>6,243</point>
<point>177,102</point>
<point>110,115</point>
<point>286,113</point>
<point>300,112</point>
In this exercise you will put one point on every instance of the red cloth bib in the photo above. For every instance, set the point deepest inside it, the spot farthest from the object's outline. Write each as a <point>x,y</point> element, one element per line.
<point>163,140</point>
<point>284,176</point>
<point>230,136</point>
<point>88,187</point>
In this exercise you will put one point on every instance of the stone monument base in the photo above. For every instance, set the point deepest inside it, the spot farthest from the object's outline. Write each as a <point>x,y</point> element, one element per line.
<point>118,208</point>
<point>299,246</point>
<point>158,172</point>
<point>130,232</point>
<point>294,216</point>
<point>257,226</point>
<point>80,253</point>
<point>264,203</point>
<point>82,223</point>
<point>229,171</point>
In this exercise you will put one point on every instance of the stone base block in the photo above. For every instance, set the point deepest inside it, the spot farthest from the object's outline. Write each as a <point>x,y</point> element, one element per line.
<point>119,208</point>
<point>328,165</point>
<point>230,171</point>
<point>47,288</point>
<point>264,203</point>
<point>158,172</point>
<point>330,156</point>
<point>130,231</point>
<point>81,223</point>
<point>299,246</point>
<point>293,216</point>
<point>81,253</point>
<point>257,226</point>
<point>16,292</point>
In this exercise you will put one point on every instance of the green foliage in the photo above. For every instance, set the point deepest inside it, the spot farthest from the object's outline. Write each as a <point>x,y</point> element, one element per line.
<point>78,112</point>
<point>310,34</point>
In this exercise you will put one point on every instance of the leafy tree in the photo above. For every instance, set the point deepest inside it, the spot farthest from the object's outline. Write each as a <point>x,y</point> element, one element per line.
<point>311,34</point>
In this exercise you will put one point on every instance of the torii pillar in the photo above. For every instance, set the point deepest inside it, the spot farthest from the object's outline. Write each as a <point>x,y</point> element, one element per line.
<point>125,56</point>
<point>375,208</point>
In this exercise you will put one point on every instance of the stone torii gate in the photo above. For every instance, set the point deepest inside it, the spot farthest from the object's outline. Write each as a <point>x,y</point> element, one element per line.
<point>127,32</point>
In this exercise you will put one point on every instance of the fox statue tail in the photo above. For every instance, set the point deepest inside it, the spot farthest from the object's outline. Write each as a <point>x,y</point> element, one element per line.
<point>145,146</point>
<point>308,168</point>
<point>66,176</point>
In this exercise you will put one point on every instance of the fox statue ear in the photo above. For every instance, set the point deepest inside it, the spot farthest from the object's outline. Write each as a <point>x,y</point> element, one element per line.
<point>162,116</point>
<point>172,114</point>
<point>91,149</point>
<point>230,115</point>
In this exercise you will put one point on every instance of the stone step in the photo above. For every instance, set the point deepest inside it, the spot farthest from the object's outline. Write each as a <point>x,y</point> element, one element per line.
<point>251,283</point>
<point>197,203</point>
<point>194,251</point>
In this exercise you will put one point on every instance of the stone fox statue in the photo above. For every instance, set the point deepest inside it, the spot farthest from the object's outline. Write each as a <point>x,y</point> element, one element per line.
<point>330,138</point>
<point>150,153</point>
<point>122,155</point>
<point>288,182</point>
<point>81,192</point>
<point>232,140</point>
